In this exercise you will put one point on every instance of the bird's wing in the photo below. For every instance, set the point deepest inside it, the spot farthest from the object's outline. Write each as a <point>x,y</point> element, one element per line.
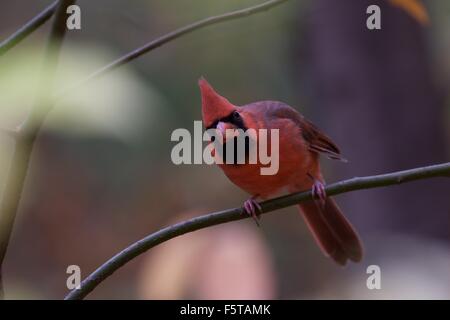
<point>318,141</point>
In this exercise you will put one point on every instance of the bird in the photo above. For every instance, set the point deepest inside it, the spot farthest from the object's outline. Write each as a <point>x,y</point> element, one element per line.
<point>300,145</point>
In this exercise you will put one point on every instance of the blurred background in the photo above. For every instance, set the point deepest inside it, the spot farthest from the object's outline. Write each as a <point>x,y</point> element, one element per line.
<point>101,175</point>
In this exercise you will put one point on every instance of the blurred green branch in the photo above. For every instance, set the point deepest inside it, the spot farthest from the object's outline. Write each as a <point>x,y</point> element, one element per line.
<point>172,36</point>
<point>165,234</point>
<point>27,28</point>
<point>27,133</point>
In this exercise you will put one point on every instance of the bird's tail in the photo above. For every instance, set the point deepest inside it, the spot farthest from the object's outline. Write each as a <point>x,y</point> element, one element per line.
<point>333,232</point>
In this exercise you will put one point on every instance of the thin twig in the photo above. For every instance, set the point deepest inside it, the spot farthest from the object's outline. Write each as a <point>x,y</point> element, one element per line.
<point>27,134</point>
<point>165,234</point>
<point>27,28</point>
<point>170,37</point>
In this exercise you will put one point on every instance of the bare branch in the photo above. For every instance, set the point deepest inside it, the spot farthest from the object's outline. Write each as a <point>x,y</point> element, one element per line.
<point>27,28</point>
<point>163,235</point>
<point>172,36</point>
<point>27,135</point>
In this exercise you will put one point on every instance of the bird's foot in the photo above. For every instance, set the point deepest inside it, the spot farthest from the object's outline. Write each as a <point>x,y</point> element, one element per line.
<point>318,192</point>
<point>253,209</point>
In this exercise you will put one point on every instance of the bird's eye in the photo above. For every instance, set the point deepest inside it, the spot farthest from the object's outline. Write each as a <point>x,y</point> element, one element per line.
<point>236,115</point>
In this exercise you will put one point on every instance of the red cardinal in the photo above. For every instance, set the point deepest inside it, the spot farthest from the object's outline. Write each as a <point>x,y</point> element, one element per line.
<point>300,144</point>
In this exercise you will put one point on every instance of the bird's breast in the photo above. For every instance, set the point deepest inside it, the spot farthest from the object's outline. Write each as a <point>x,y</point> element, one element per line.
<point>294,161</point>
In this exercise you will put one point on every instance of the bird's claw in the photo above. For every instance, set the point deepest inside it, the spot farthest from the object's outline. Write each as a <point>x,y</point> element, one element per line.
<point>253,209</point>
<point>318,192</point>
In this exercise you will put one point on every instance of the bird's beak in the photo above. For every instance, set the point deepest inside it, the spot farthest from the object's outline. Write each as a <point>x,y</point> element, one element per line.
<point>226,130</point>
<point>222,128</point>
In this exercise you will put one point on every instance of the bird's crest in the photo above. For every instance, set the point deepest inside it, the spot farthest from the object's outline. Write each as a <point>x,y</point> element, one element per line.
<point>214,106</point>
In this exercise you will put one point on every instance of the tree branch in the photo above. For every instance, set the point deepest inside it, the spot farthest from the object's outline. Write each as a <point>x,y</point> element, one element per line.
<point>27,28</point>
<point>172,36</point>
<point>165,234</point>
<point>27,134</point>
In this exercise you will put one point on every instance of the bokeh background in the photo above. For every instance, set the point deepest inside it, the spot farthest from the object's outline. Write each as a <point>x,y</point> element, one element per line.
<point>101,175</point>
